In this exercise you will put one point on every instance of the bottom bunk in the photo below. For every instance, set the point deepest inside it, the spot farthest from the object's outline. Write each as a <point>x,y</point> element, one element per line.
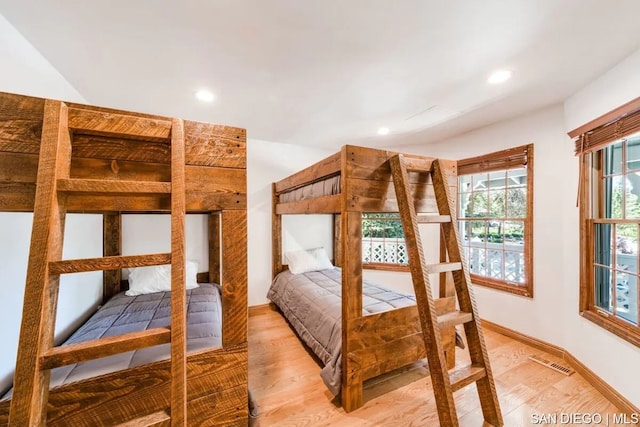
<point>117,388</point>
<point>311,302</point>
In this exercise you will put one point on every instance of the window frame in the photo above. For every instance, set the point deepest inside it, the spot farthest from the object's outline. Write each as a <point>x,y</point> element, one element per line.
<point>382,265</point>
<point>591,213</point>
<point>504,160</point>
<point>590,137</point>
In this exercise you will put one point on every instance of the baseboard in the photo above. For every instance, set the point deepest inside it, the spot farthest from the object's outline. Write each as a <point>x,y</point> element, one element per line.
<point>255,310</point>
<point>596,382</point>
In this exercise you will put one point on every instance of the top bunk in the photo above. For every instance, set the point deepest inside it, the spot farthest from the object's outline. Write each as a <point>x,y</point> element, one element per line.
<point>113,144</point>
<point>356,179</point>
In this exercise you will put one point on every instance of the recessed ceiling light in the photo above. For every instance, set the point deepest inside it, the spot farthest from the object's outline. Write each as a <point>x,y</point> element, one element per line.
<point>499,76</point>
<point>204,95</point>
<point>383,131</point>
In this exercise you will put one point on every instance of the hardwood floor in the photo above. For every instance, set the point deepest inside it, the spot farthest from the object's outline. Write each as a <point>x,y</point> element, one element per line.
<point>285,381</point>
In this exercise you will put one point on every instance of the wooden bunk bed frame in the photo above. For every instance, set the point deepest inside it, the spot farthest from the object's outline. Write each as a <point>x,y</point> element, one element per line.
<point>215,170</point>
<point>378,343</point>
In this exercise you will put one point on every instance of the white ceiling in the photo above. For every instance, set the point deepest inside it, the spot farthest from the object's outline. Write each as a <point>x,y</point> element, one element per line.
<point>329,72</point>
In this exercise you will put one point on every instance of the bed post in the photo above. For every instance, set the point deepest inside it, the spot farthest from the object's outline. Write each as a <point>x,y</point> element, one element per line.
<point>337,240</point>
<point>234,277</point>
<point>276,235</point>
<point>111,246</point>
<point>351,253</point>
<point>214,247</point>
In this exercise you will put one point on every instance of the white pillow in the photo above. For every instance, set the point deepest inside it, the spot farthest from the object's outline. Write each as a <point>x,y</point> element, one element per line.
<point>157,278</point>
<point>302,261</point>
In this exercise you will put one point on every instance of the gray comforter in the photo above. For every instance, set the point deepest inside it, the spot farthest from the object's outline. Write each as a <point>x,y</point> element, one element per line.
<point>123,314</point>
<point>312,304</point>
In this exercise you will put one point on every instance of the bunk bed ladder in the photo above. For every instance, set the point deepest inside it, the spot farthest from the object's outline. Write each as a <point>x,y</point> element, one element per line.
<point>479,371</point>
<point>36,353</point>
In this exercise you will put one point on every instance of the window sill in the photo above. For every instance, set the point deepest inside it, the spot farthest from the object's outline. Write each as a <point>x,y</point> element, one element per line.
<point>617,327</point>
<point>387,267</point>
<point>523,291</point>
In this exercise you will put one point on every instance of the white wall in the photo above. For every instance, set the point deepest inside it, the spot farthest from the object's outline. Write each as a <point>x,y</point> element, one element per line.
<point>25,71</point>
<point>616,87</point>
<point>268,162</point>
<point>552,315</point>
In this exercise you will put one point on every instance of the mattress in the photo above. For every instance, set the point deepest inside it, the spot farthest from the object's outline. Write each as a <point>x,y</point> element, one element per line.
<point>123,314</point>
<point>311,302</point>
<point>326,187</point>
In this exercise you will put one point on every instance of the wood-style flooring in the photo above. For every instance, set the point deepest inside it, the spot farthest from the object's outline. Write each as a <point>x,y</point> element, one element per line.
<point>285,381</point>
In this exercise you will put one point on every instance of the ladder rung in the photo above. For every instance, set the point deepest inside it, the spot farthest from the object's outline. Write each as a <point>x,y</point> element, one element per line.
<point>103,347</point>
<point>107,263</point>
<point>119,125</point>
<point>443,267</point>
<point>454,318</point>
<point>156,419</point>
<point>417,164</point>
<point>113,187</point>
<point>462,377</point>
<point>433,219</point>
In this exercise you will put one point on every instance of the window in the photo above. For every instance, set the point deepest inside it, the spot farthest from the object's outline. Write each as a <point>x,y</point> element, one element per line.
<point>383,245</point>
<point>495,205</point>
<point>610,220</point>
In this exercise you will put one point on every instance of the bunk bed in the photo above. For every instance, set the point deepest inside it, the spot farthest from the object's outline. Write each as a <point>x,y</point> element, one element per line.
<point>215,185</point>
<point>373,340</point>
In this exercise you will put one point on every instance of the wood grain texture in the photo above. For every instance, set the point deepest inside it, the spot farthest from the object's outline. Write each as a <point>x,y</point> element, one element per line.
<point>216,147</point>
<point>276,235</point>
<point>31,383</point>
<point>594,380</point>
<point>103,347</point>
<point>112,187</point>
<point>111,246</point>
<point>178,279</point>
<point>214,247</point>
<point>120,396</point>
<point>317,205</point>
<point>234,278</point>
<point>108,263</point>
<point>287,386</point>
<point>424,298</point>
<point>464,291</point>
<point>323,169</point>
<point>120,152</point>
<point>91,122</point>
<point>351,306</point>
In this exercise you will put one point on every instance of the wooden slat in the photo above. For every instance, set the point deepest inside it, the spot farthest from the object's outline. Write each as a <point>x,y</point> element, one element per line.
<point>157,419</point>
<point>31,385</point>
<point>462,377</point>
<point>380,328</point>
<point>454,318</point>
<point>320,170</point>
<point>118,125</point>
<point>99,186</point>
<point>317,205</point>
<point>442,267</point>
<point>178,281</point>
<point>379,196</point>
<point>107,263</point>
<point>103,347</point>
<point>119,396</point>
<point>433,219</point>
<point>417,164</point>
